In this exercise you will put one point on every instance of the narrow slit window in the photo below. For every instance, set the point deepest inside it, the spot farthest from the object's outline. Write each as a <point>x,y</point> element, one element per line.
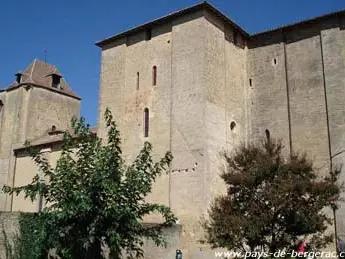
<point>250,82</point>
<point>138,79</point>
<point>154,75</point>
<point>146,122</point>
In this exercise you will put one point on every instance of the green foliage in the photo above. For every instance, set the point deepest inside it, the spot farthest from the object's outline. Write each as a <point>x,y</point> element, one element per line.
<point>271,201</point>
<point>94,198</point>
<point>29,244</point>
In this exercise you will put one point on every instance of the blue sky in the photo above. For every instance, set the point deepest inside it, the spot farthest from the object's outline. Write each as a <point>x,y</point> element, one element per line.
<point>68,30</point>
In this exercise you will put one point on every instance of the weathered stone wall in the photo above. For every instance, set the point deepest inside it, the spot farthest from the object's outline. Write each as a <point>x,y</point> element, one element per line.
<point>288,83</point>
<point>25,170</point>
<point>298,92</point>
<point>225,72</point>
<point>188,126</point>
<point>29,112</point>
<point>11,130</point>
<point>333,47</point>
<point>9,223</point>
<point>47,108</point>
<point>199,91</point>
<point>176,106</point>
<point>266,90</point>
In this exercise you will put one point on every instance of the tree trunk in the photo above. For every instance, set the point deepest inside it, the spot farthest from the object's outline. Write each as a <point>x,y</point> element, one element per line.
<point>95,251</point>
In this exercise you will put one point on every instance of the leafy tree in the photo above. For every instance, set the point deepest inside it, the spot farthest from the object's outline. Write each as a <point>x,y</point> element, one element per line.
<point>271,201</point>
<point>94,198</point>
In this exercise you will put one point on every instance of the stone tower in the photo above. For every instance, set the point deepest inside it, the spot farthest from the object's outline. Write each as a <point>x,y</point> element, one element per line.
<point>194,83</point>
<point>183,77</point>
<point>39,100</point>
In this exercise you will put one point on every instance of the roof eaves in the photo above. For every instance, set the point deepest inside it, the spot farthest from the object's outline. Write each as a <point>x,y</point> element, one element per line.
<point>70,93</point>
<point>200,6</point>
<point>226,18</point>
<point>299,23</point>
<point>149,24</point>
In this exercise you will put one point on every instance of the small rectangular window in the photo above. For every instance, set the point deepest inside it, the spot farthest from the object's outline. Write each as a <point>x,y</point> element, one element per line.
<point>138,79</point>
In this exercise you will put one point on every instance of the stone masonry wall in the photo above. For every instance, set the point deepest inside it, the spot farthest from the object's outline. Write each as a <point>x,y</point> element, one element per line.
<point>199,91</point>
<point>9,223</point>
<point>298,92</point>
<point>287,83</point>
<point>28,113</point>
<point>11,123</point>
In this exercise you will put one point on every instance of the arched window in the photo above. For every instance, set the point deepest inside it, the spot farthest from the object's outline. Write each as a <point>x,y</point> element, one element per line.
<point>268,134</point>
<point>154,75</point>
<point>146,122</point>
<point>232,125</point>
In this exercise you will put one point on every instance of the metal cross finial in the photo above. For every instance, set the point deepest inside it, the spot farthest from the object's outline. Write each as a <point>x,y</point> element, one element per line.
<point>45,55</point>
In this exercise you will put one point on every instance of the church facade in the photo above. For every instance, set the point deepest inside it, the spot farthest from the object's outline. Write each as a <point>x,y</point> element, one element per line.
<point>196,83</point>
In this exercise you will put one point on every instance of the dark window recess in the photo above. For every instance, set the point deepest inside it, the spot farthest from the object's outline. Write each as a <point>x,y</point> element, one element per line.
<point>268,134</point>
<point>148,34</point>
<point>275,61</point>
<point>250,82</point>
<point>138,79</point>
<point>232,125</point>
<point>56,80</point>
<point>53,128</point>
<point>146,122</point>
<point>154,75</point>
<point>235,37</point>
<point>19,78</point>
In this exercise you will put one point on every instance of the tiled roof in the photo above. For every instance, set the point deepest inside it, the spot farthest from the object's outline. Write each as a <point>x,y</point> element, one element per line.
<point>39,73</point>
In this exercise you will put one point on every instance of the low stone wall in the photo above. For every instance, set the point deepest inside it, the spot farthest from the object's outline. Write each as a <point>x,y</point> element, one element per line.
<point>9,223</point>
<point>174,236</point>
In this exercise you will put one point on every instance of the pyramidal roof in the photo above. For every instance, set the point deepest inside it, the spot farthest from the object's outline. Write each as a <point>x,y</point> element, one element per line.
<point>39,73</point>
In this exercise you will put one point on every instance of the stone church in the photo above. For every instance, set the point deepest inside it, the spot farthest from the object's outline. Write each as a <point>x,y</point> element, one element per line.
<point>195,83</point>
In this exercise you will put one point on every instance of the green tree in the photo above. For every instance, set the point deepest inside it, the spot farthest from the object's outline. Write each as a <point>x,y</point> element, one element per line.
<point>94,198</point>
<point>271,201</point>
